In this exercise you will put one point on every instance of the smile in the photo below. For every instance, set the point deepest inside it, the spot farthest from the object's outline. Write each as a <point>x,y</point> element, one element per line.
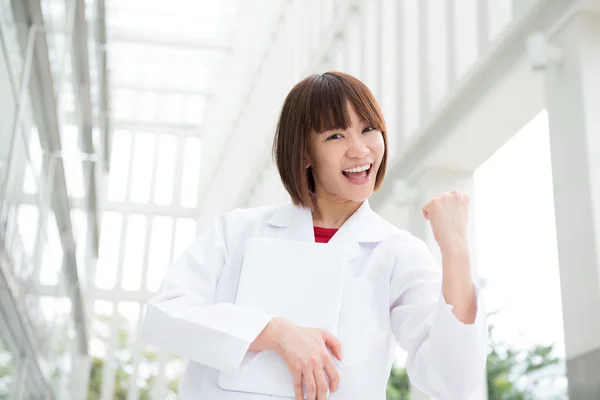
<point>358,175</point>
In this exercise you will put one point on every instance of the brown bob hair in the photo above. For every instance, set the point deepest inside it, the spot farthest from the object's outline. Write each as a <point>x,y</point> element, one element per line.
<point>318,104</point>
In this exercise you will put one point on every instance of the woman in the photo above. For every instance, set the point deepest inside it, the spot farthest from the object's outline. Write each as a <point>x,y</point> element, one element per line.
<point>330,150</point>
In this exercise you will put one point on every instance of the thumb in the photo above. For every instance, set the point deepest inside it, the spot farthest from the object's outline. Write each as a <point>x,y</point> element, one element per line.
<point>334,344</point>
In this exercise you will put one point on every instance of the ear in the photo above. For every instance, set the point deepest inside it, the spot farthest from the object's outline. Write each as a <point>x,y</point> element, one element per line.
<point>307,162</point>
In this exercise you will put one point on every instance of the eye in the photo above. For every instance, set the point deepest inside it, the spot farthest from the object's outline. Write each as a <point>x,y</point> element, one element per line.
<point>368,129</point>
<point>334,136</point>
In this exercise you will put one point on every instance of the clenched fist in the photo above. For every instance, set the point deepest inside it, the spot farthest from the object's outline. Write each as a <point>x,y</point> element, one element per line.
<point>448,215</point>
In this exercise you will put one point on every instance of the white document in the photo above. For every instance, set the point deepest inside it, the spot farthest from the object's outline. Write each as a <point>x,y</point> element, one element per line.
<point>299,281</point>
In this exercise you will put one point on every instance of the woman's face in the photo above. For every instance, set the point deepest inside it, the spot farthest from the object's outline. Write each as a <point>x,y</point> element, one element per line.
<point>344,163</point>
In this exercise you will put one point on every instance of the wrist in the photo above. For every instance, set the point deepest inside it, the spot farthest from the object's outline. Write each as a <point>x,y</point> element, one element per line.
<point>266,339</point>
<point>455,249</point>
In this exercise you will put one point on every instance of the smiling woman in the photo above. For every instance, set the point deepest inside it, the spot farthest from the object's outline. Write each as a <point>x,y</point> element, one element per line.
<point>330,150</point>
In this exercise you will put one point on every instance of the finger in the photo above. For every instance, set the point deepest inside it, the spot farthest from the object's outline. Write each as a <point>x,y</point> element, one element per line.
<point>309,384</point>
<point>333,375</point>
<point>321,383</point>
<point>334,344</point>
<point>297,376</point>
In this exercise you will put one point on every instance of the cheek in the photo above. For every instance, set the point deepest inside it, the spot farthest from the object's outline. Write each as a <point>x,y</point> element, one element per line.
<point>325,166</point>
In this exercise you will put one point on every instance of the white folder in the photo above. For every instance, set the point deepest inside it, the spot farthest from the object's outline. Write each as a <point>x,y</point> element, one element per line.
<point>298,281</point>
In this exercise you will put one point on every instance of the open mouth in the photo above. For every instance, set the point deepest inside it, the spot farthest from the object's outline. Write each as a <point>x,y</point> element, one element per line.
<point>358,175</point>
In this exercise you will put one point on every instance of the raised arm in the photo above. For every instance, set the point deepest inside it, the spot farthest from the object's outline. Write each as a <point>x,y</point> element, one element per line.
<point>446,356</point>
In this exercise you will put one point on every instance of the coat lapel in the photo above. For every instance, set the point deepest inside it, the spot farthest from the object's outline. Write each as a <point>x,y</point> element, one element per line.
<point>295,223</point>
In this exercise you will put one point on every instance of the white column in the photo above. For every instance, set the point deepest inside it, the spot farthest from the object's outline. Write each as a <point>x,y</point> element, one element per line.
<point>573,102</point>
<point>431,184</point>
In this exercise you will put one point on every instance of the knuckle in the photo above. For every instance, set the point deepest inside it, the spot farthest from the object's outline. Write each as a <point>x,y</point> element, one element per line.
<point>315,360</point>
<point>296,367</point>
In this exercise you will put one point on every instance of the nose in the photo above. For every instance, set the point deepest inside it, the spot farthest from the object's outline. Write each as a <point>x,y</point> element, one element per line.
<point>357,147</point>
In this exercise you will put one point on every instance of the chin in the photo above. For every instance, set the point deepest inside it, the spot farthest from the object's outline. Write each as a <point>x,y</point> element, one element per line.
<point>358,196</point>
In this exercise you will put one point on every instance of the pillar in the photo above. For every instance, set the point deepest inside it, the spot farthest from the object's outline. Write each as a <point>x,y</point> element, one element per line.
<point>572,92</point>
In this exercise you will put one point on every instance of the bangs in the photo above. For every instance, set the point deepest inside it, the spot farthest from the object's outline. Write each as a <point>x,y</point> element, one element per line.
<point>328,98</point>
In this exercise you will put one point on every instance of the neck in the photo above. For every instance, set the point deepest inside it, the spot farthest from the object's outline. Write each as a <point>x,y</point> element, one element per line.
<point>332,214</point>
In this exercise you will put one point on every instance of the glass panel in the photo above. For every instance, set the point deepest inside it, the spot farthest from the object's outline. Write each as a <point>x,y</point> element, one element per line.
<point>103,308</point>
<point>159,252</point>
<point>190,19</point>
<point>389,75</point>
<point>147,106</point>
<point>194,109</point>
<point>28,218</point>
<point>134,252</point>
<point>499,16</point>
<point>191,172</point>
<point>119,171</point>
<point>79,219</point>
<point>52,255</point>
<point>437,51</point>
<point>165,170</point>
<point>35,151</point>
<point>172,109</point>
<point>130,312</point>
<point>29,182</point>
<point>185,233</point>
<point>143,161</point>
<point>411,78</point>
<point>465,35</point>
<point>370,39</point>
<point>72,161</point>
<point>122,98</point>
<point>145,54</point>
<point>110,236</point>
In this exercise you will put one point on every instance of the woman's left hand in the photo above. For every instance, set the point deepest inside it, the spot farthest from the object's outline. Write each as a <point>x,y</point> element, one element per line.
<point>448,215</point>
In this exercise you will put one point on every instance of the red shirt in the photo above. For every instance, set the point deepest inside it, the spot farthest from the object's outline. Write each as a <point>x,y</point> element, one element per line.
<point>322,235</point>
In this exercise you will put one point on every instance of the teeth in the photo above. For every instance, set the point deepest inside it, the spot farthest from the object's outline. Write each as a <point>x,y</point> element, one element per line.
<point>358,169</point>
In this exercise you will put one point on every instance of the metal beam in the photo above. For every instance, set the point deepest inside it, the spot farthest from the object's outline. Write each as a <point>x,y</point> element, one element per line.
<point>83,105</point>
<point>182,129</point>
<point>164,89</point>
<point>504,58</point>
<point>28,14</point>
<point>115,295</point>
<point>183,43</point>
<point>126,207</point>
<point>103,94</point>
<point>178,129</point>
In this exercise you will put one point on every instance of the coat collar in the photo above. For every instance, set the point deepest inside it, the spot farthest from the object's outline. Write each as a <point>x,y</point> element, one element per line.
<point>364,226</point>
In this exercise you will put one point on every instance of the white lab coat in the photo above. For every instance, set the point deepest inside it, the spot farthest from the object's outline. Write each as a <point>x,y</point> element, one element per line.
<point>392,295</point>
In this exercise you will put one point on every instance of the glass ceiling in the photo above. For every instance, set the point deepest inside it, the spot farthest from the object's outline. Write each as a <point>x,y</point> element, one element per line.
<point>162,61</point>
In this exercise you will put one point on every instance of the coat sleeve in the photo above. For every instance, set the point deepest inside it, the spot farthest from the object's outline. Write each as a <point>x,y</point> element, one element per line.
<point>446,358</point>
<point>183,318</point>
